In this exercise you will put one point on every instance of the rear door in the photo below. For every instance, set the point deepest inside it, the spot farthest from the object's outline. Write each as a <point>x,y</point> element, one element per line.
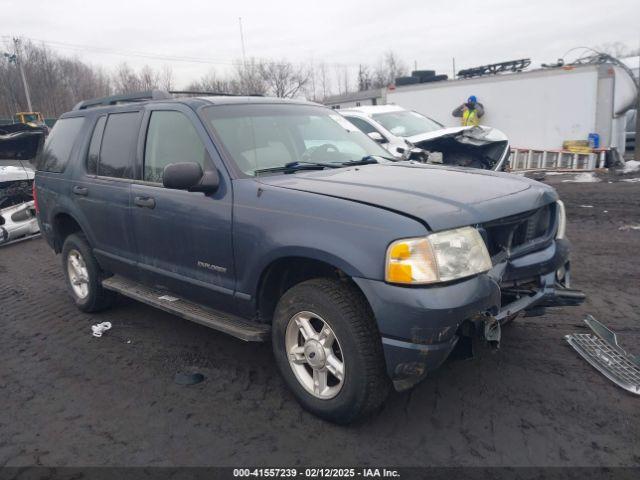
<point>102,190</point>
<point>183,239</point>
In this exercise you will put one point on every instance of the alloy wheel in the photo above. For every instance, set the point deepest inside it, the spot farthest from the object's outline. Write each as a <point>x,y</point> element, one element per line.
<point>78,274</point>
<point>315,355</point>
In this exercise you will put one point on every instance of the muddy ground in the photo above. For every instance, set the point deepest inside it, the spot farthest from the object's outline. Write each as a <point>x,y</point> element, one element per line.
<point>69,399</point>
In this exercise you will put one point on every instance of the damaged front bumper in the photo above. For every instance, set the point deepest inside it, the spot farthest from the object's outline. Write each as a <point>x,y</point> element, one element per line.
<point>421,326</point>
<point>18,222</point>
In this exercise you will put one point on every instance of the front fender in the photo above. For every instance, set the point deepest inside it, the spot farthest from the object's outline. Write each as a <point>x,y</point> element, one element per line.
<point>274,222</point>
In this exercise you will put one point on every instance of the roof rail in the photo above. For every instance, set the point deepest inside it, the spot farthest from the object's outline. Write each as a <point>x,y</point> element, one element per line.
<point>197,92</point>
<point>216,94</point>
<point>126,98</point>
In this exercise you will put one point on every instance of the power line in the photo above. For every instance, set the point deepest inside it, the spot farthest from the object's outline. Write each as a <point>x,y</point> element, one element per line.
<point>153,56</point>
<point>126,53</point>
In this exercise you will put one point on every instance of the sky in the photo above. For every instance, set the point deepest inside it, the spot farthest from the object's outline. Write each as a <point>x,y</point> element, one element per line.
<point>205,35</point>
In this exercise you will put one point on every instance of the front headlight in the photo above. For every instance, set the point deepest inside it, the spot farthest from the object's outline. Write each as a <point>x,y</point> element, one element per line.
<point>439,257</point>
<point>562,219</point>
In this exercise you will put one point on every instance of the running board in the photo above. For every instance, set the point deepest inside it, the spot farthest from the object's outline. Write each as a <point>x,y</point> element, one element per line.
<point>603,353</point>
<point>230,324</point>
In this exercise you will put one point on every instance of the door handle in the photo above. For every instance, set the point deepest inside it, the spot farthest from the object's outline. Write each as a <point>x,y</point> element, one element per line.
<point>80,190</point>
<point>145,202</point>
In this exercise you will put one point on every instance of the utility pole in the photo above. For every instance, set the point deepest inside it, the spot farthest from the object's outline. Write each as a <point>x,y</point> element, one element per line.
<point>244,59</point>
<point>18,60</point>
<point>244,55</point>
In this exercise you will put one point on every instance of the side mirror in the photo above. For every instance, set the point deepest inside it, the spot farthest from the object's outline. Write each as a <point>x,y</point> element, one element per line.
<point>189,176</point>
<point>377,137</point>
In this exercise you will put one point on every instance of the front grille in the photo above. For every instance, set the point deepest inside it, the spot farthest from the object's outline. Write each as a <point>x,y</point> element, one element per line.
<point>516,232</point>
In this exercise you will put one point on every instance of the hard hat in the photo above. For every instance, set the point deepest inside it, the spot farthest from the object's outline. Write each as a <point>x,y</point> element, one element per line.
<point>472,99</point>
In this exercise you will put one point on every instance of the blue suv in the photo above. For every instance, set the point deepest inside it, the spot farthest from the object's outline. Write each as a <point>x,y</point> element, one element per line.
<point>277,219</point>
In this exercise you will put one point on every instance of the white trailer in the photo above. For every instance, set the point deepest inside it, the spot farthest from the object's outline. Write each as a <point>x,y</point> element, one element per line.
<point>538,109</point>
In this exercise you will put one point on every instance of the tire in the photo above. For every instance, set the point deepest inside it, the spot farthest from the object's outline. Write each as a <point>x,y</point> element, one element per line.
<point>423,74</point>
<point>96,297</point>
<point>341,307</point>
<point>406,81</point>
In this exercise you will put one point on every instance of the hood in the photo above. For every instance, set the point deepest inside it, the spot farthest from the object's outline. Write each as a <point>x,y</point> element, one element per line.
<point>440,197</point>
<point>20,141</point>
<point>487,134</point>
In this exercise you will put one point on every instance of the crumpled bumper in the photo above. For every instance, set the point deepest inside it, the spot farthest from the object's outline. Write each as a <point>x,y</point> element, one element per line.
<point>420,326</point>
<point>17,222</point>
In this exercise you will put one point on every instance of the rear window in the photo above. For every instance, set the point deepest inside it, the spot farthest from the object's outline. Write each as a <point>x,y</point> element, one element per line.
<point>55,155</point>
<point>118,144</point>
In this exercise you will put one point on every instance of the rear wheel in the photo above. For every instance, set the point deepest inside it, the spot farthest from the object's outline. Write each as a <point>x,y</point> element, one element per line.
<point>328,349</point>
<point>83,275</point>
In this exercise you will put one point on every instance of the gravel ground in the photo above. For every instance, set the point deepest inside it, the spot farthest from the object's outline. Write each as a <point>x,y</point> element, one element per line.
<point>68,399</point>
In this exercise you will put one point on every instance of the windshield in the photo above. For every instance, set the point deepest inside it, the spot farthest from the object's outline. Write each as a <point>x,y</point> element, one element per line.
<point>263,137</point>
<point>406,124</point>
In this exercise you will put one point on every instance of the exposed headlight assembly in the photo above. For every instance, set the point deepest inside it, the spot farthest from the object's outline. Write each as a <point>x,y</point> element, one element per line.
<point>562,220</point>
<point>439,257</point>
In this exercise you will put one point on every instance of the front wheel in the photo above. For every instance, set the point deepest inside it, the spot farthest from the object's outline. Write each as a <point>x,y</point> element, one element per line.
<point>328,349</point>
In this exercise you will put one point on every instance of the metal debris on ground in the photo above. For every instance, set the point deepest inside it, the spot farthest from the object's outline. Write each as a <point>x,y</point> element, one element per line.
<point>603,353</point>
<point>98,329</point>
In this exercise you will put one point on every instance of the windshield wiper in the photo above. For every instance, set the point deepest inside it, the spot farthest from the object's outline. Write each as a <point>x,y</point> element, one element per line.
<point>297,166</point>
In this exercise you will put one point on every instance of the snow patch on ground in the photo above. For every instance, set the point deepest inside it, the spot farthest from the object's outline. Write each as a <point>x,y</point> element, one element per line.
<point>631,166</point>
<point>631,180</point>
<point>629,227</point>
<point>586,177</point>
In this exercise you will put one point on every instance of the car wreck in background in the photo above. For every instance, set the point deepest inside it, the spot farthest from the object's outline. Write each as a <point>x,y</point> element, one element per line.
<point>19,144</point>
<point>410,135</point>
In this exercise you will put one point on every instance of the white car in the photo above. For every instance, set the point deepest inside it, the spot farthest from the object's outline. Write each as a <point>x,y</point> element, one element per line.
<point>407,134</point>
<point>19,143</point>
<point>17,211</point>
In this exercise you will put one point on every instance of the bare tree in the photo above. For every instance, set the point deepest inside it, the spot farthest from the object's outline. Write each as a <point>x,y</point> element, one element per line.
<point>283,79</point>
<point>148,78</point>
<point>342,76</point>
<point>125,79</point>
<point>618,49</point>
<point>324,80</point>
<point>388,69</point>
<point>212,83</point>
<point>166,78</point>
<point>249,76</point>
<point>56,83</point>
<point>365,79</point>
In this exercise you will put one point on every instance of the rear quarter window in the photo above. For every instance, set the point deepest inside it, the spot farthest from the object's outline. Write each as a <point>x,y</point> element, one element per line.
<point>57,148</point>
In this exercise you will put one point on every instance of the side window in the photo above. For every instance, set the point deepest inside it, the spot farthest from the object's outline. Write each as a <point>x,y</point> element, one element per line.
<point>56,151</point>
<point>118,145</point>
<point>94,146</point>
<point>362,125</point>
<point>171,138</point>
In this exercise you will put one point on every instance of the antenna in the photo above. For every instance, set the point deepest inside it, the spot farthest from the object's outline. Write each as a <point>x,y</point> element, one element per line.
<point>244,55</point>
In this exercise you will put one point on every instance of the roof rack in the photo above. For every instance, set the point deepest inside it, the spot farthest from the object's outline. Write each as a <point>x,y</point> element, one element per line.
<point>189,92</point>
<point>126,98</point>
<point>148,95</point>
<point>215,94</point>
